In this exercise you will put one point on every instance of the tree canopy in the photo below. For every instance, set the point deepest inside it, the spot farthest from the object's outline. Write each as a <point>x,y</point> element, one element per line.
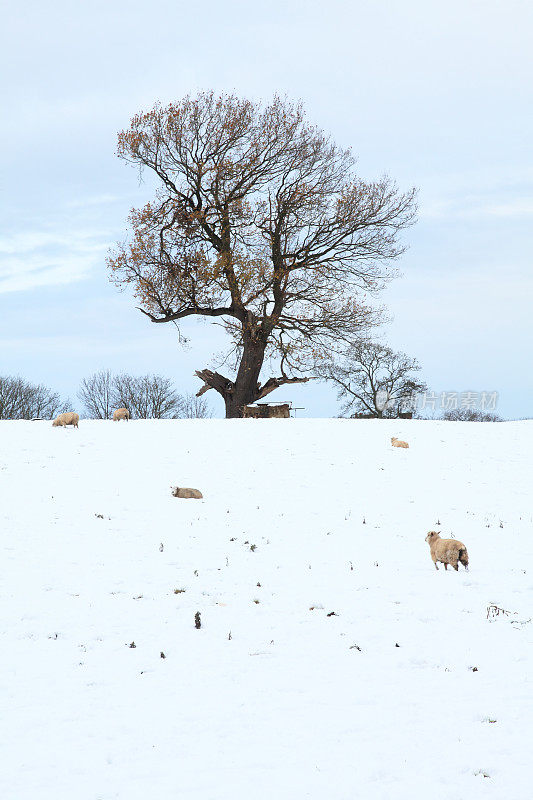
<point>260,221</point>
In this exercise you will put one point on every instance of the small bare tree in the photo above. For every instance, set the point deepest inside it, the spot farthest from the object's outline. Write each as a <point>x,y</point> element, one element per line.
<point>372,380</point>
<point>146,396</point>
<point>96,394</point>
<point>261,223</point>
<point>193,407</point>
<point>20,399</point>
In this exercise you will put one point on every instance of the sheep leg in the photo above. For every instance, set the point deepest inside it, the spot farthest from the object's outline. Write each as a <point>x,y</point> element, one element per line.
<point>446,565</point>
<point>436,566</point>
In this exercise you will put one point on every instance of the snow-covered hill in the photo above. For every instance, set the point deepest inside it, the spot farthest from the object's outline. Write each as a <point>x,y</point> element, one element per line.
<point>333,661</point>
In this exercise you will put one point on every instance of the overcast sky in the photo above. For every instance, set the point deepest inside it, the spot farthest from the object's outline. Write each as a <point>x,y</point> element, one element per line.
<point>435,94</point>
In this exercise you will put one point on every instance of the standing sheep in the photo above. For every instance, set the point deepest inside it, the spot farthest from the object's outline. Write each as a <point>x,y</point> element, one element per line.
<point>68,418</point>
<point>121,413</point>
<point>447,551</point>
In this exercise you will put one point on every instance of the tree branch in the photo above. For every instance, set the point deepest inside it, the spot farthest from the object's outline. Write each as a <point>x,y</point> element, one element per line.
<point>188,312</point>
<point>274,383</point>
<point>214,380</point>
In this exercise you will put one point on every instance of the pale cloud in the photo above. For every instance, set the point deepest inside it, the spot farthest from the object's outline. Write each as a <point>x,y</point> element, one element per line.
<point>25,242</point>
<point>478,208</point>
<point>520,207</point>
<point>23,275</point>
<point>96,200</point>
<point>33,259</point>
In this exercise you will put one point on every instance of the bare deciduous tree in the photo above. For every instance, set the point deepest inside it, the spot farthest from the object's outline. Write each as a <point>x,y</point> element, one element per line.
<point>146,396</point>
<point>96,395</point>
<point>261,223</point>
<point>373,380</point>
<point>193,407</point>
<point>20,399</point>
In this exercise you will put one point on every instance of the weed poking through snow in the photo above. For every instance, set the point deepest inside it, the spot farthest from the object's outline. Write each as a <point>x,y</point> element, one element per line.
<point>494,611</point>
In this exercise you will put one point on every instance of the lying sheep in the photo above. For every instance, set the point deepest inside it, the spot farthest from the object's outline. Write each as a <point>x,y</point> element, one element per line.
<point>447,551</point>
<point>121,413</point>
<point>186,493</point>
<point>398,442</point>
<point>68,418</point>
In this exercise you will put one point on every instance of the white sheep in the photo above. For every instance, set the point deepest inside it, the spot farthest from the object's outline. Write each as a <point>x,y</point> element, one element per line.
<point>447,551</point>
<point>178,491</point>
<point>121,413</point>
<point>398,442</point>
<point>68,418</point>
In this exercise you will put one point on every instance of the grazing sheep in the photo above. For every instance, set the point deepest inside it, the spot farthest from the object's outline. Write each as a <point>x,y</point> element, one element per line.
<point>398,442</point>
<point>68,418</point>
<point>121,413</point>
<point>447,551</point>
<point>186,493</point>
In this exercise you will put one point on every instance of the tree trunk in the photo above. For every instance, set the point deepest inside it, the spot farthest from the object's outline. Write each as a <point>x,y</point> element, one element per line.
<point>246,386</point>
<point>245,389</point>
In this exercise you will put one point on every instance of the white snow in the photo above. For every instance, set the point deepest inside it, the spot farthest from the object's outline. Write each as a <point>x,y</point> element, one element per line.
<point>288,707</point>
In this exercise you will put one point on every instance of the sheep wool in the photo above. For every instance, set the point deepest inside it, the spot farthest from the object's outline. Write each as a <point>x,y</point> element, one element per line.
<point>68,418</point>
<point>398,442</point>
<point>178,491</point>
<point>447,551</point>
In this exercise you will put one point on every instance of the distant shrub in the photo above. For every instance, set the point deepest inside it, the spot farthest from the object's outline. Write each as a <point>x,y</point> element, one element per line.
<point>470,415</point>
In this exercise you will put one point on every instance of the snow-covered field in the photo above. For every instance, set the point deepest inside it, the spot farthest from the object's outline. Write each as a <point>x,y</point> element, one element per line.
<point>407,690</point>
